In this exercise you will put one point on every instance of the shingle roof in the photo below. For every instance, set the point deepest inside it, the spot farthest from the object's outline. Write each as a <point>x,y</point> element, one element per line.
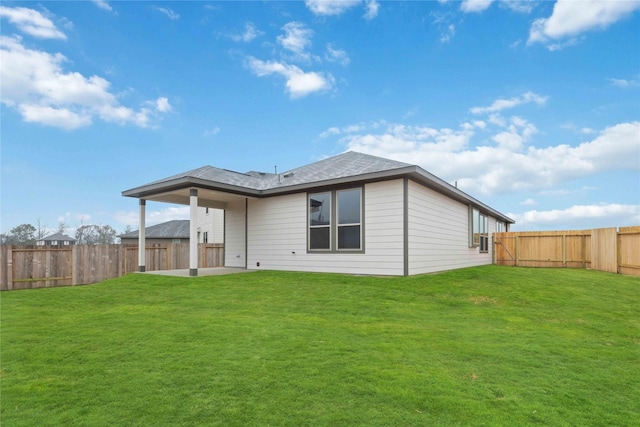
<point>340,166</point>
<point>57,237</point>
<point>176,229</point>
<point>347,168</point>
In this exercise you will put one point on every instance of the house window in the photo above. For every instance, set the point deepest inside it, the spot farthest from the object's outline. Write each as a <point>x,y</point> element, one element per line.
<point>479,226</point>
<point>484,233</point>
<point>349,219</point>
<point>205,237</point>
<point>335,220</point>
<point>501,226</point>
<point>320,221</point>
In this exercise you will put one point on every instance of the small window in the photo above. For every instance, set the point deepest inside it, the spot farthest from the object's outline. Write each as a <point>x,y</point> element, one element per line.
<point>349,219</point>
<point>205,237</point>
<point>320,221</point>
<point>484,233</point>
<point>479,227</point>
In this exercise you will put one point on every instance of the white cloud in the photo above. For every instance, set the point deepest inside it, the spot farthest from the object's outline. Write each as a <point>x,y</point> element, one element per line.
<point>35,84</point>
<point>211,132</point>
<point>103,4</point>
<point>502,104</point>
<point>522,6</point>
<point>528,202</point>
<point>57,117</point>
<point>168,12</point>
<point>372,7</point>
<point>448,33</point>
<point>516,134</point>
<point>298,83</point>
<point>296,39</point>
<point>330,7</point>
<point>475,5</point>
<point>580,217</point>
<point>32,22</point>
<point>510,165</point>
<point>443,21</point>
<point>162,105</point>
<point>331,131</point>
<point>68,217</point>
<point>625,84</point>
<point>250,33</point>
<point>571,18</point>
<point>337,55</point>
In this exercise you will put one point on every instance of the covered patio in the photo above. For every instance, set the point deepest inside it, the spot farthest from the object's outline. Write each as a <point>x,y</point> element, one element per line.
<point>206,187</point>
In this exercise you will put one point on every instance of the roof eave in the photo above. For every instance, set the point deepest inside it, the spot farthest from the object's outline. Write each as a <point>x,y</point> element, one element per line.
<point>187,182</point>
<point>455,193</point>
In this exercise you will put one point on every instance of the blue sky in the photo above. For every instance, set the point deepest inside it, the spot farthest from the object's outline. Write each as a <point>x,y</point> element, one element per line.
<point>532,107</point>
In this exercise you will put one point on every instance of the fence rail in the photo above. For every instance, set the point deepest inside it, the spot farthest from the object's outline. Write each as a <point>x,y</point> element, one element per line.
<point>26,267</point>
<point>605,249</point>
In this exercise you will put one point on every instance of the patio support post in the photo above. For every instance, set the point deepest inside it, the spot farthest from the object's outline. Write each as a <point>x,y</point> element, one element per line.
<point>141,238</point>
<point>193,232</point>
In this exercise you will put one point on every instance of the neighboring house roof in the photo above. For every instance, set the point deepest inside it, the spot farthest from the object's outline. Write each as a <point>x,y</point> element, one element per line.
<point>349,167</point>
<point>176,229</point>
<point>57,237</point>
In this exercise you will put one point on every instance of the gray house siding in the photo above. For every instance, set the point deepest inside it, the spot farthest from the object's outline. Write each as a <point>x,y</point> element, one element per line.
<point>278,235</point>
<point>439,233</point>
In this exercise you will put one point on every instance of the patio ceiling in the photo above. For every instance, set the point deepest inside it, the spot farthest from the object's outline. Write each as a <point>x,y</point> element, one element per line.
<point>206,198</point>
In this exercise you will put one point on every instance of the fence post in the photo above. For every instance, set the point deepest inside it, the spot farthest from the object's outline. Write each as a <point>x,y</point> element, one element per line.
<point>618,253</point>
<point>564,250</point>
<point>517,249</point>
<point>10,268</point>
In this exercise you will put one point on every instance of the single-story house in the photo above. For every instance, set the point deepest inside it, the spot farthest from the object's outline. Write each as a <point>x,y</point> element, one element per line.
<point>352,213</point>
<point>176,231</point>
<point>210,223</point>
<point>57,239</point>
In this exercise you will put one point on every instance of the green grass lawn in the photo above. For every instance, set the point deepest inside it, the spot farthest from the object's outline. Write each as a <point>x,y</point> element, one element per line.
<point>480,346</point>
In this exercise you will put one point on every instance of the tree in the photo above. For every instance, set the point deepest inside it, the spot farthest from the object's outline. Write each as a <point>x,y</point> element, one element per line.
<point>62,227</point>
<point>106,234</point>
<point>95,234</point>
<point>24,234</point>
<point>41,230</point>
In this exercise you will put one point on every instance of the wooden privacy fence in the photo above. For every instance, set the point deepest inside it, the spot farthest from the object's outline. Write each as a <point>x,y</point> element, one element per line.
<point>26,267</point>
<point>605,249</point>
